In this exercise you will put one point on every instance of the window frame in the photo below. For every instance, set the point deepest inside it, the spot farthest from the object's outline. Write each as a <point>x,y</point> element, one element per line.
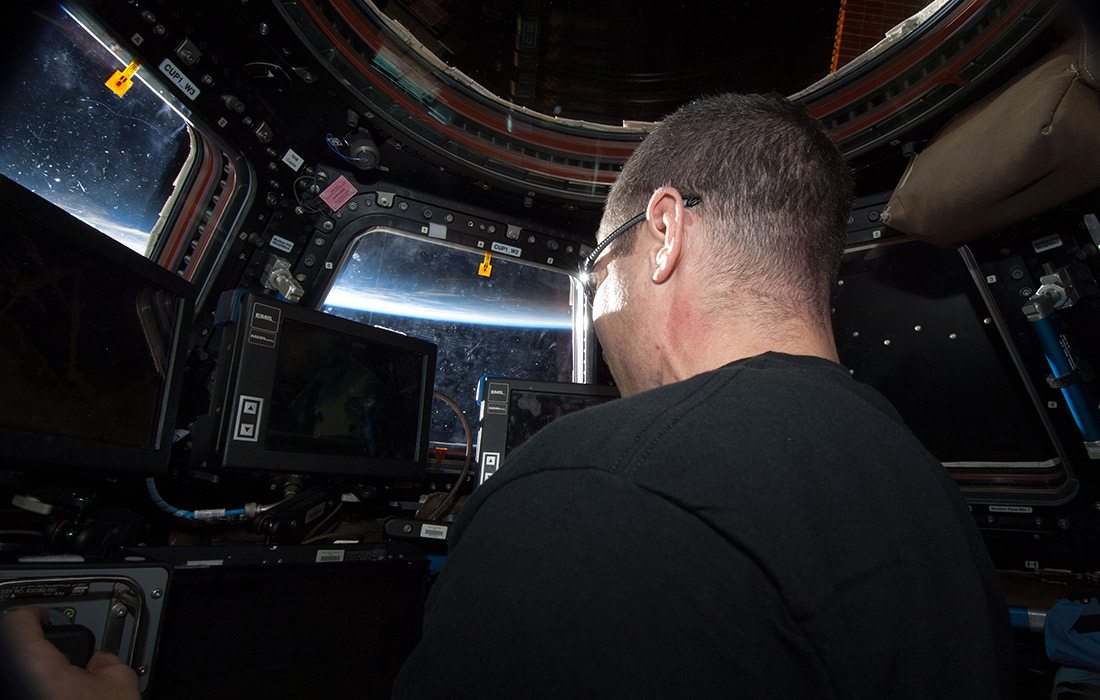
<point>583,331</point>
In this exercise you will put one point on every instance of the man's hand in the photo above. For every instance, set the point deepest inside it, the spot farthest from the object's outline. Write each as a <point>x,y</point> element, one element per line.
<point>34,668</point>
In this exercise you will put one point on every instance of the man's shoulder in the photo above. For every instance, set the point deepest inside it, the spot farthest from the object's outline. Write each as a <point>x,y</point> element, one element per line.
<point>745,403</point>
<point>702,424</point>
<point>748,403</point>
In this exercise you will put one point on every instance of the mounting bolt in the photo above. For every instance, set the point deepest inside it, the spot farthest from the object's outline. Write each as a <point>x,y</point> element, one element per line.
<point>157,593</point>
<point>118,610</point>
<point>141,670</point>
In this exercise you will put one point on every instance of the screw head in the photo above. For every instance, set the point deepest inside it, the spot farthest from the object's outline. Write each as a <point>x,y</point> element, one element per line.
<point>157,593</point>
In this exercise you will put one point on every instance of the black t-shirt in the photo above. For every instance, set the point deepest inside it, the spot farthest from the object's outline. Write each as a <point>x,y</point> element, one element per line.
<point>768,529</point>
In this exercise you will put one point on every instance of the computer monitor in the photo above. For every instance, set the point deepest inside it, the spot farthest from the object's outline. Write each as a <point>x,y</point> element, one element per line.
<point>302,391</point>
<point>92,337</point>
<point>513,410</point>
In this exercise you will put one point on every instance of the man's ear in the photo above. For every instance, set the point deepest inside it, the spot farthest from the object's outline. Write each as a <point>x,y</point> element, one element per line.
<point>665,224</point>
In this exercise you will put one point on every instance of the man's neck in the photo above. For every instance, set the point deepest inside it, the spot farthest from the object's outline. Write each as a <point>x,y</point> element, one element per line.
<point>709,344</point>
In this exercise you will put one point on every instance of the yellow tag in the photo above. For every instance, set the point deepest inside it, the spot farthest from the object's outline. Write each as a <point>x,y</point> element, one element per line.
<point>486,267</point>
<point>121,81</point>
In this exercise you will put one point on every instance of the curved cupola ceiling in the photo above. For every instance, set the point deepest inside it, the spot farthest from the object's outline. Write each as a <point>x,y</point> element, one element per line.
<point>549,97</point>
<point>610,61</point>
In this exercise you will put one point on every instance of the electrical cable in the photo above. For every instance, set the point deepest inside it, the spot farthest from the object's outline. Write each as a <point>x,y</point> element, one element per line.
<point>208,514</point>
<point>448,502</point>
<point>306,207</point>
<point>332,141</point>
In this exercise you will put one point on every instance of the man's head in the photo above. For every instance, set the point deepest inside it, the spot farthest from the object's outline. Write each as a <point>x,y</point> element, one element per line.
<point>764,241</point>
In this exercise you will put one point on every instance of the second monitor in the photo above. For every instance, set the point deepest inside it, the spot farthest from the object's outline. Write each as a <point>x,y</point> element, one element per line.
<point>513,410</point>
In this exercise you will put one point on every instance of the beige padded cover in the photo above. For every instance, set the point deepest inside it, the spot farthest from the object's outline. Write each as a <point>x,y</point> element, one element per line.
<point>1027,148</point>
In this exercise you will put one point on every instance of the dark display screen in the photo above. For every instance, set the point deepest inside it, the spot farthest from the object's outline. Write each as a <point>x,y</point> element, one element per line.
<point>338,394</point>
<point>85,345</point>
<point>531,411</point>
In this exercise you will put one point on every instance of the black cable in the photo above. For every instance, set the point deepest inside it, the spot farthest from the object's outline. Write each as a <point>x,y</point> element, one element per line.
<point>306,207</point>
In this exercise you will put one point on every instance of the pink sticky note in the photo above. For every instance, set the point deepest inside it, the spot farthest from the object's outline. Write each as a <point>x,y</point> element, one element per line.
<point>338,193</point>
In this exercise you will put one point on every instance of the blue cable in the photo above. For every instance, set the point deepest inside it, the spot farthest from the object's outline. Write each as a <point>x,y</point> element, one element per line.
<point>1027,619</point>
<point>1078,397</point>
<point>1019,618</point>
<point>154,494</point>
<point>329,139</point>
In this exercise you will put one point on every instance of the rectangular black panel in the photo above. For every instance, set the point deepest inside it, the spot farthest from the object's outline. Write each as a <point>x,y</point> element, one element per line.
<point>90,333</point>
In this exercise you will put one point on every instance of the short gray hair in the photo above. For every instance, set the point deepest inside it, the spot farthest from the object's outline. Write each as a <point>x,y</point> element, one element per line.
<point>775,192</point>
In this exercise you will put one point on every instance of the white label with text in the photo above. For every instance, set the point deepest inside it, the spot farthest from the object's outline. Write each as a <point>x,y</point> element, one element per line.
<point>1011,509</point>
<point>507,250</point>
<point>176,76</point>
<point>434,532</point>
